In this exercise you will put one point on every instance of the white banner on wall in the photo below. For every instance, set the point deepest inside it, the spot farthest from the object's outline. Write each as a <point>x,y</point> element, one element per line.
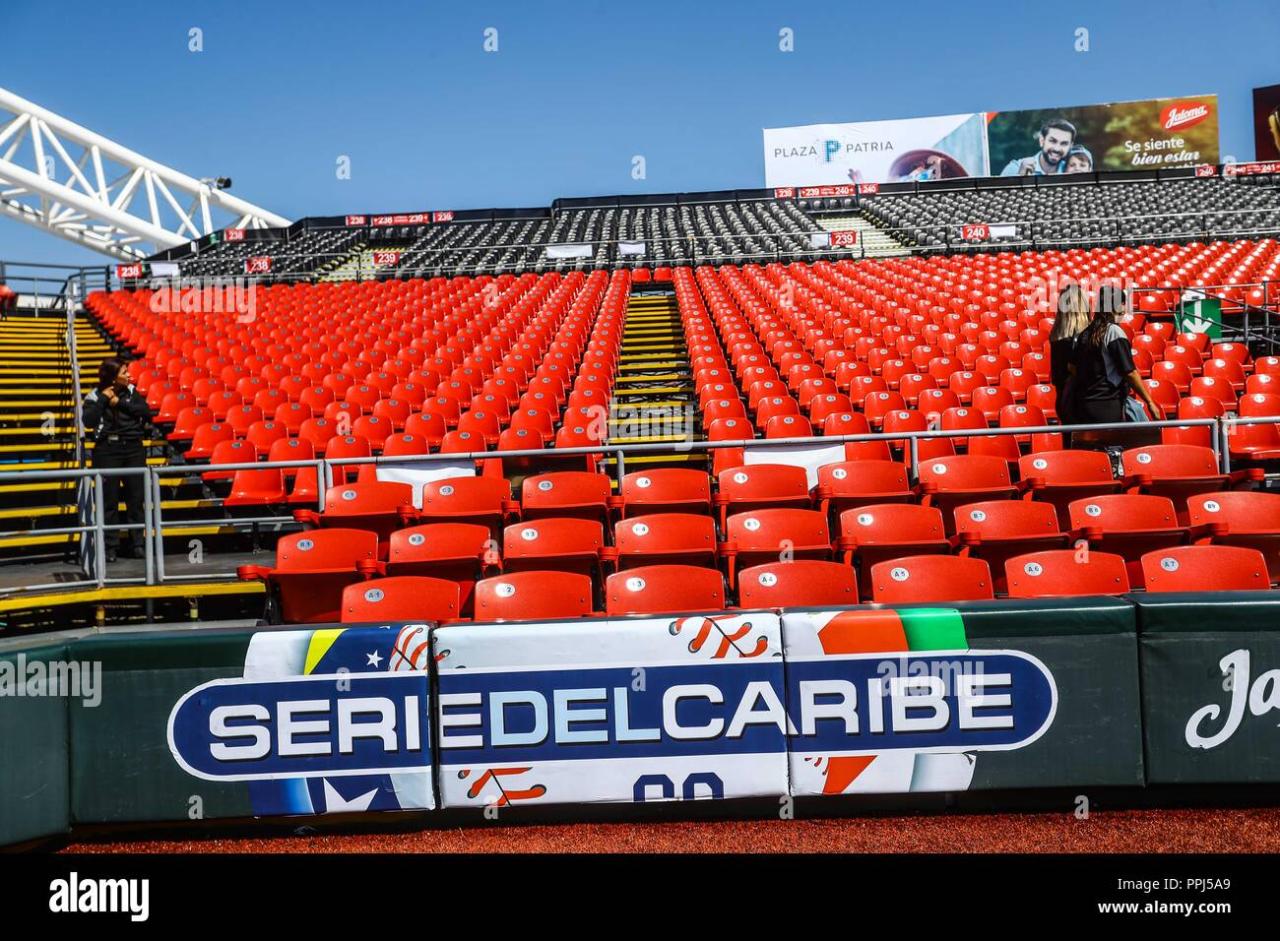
<point>943,147</point>
<point>632,710</point>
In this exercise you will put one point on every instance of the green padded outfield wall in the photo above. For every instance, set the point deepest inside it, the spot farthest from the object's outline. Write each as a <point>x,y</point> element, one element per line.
<point>1211,686</point>
<point>34,753</point>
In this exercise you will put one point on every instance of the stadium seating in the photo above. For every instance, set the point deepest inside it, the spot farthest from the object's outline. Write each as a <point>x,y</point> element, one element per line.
<point>1129,525</point>
<point>312,569</point>
<point>1239,518</point>
<point>800,583</point>
<point>931,578</point>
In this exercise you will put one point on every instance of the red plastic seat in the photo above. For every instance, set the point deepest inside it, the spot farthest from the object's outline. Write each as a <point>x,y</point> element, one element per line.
<point>1060,477</point>
<point>949,482</point>
<point>1128,524</point>
<point>407,598</point>
<point>1065,573</point>
<point>429,426</point>
<point>207,437</point>
<point>560,544</point>
<point>773,534</point>
<point>579,494</point>
<point>1205,568</point>
<point>524,596</point>
<point>848,484</point>
<point>877,532</point>
<point>664,589</point>
<point>457,552</point>
<point>229,452</point>
<point>996,530</point>
<point>345,448</point>
<point>312,569</point>
<point>801,583</point>
<point>1178,471</point>
<point>482,500</point>
<point>761,486</point>
<point>379,506</point>
<point>666,490</point>
<point>664,538</point>
<point>1246,518</point>
<point>256,487</point>
<point>1255,442</point>
<point>931,578</point>
<point>373,429</point>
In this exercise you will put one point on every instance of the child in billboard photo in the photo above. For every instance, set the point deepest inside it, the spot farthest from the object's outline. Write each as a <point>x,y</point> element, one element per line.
<point>1056,138</point>
<point>1079,160</point>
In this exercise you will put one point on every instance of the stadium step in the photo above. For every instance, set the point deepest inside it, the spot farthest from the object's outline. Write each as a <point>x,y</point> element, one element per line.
<point>873,240</point>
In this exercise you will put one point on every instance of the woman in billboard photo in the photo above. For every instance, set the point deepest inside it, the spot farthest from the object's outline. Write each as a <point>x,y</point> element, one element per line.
<point>1102,369</point>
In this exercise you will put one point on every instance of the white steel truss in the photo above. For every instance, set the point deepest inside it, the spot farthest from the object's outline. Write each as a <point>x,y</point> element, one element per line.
<point>80,186</point>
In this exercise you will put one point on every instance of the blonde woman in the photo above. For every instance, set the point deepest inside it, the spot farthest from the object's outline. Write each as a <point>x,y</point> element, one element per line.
<point>1073,317</point>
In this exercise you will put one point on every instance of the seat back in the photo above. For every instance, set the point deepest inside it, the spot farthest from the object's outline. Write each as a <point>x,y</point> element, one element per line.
<point>931,578</point>
<point>664,589</point>
<point>402,598</point>
<point>1056,573</point>
<point>518,596</point>
<point>1205,568</point>
<point>802,582</point>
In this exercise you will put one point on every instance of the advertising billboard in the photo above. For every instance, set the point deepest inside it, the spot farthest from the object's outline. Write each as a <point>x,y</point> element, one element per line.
<point>1132,135</point>
<point>1157,133</point>
<point>942,147</point>
<point>1266,123</point>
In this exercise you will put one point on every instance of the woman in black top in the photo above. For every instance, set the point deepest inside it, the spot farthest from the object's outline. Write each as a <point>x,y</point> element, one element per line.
<point>1072,319</point>
<point>116,416</point>
<point>1102,370</point>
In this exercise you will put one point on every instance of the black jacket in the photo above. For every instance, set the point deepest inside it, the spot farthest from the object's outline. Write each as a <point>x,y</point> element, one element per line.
<point>126,421</point>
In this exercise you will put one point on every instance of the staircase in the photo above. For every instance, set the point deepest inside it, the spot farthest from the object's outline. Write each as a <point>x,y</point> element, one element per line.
<point>875,241</point>
<point>654,400</point>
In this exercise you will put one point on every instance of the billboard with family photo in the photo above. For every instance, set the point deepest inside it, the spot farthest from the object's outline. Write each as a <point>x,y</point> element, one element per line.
<point>1266,123</point>
<point>1132,135</point>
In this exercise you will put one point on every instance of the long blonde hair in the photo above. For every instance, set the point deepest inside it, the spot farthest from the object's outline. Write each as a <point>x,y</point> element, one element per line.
<point>1073,313</point>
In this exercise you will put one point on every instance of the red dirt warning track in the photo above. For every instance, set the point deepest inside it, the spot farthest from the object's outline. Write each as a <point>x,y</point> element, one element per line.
<point>1129,831</point>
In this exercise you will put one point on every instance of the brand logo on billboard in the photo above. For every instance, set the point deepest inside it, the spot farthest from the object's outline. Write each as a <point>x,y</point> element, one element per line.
<point>313,726</point>
<point>1183,114</point>
<point>1258,697</point>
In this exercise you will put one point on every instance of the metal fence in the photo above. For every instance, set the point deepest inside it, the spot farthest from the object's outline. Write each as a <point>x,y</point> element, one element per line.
<point>93,526</point>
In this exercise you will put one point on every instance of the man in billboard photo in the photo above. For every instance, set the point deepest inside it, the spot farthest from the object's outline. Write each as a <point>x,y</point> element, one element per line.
<point>1055,137</point>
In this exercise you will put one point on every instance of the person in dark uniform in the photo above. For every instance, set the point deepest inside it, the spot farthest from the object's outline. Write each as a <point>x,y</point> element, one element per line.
<point>1102,370</point>
<point>116,416</point>
<point>1072,319</point>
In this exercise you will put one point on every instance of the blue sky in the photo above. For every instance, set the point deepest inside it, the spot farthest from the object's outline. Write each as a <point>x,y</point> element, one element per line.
<point>430,120</point>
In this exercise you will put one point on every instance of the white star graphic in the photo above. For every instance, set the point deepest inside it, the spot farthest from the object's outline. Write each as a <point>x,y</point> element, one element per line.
<point>375,658</point>
<point>335,803</point>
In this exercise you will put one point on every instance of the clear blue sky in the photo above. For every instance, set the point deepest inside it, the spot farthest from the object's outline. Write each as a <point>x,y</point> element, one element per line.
<point>431,121</point>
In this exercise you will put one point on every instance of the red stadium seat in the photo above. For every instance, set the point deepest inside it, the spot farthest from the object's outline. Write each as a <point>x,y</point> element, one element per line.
<point>1178,471</point>
<point>482,500</point>
<point>760,486</point>
<point>580,494</point>
<point>664,538</point>
<point>407,598</point>
<point>949,482</point>
<point>1128,524</point>
<point>1246,518</point>
<point>1059,477</point>
<point>528,596</point>
<point>379,506</point>
<point>666,490</point>
<point>850,484</point>
<point>1060,573</point>
<point>774,534</point>
<point>457,552</point>
<point>664,589</point>
<point>931,578</point>
<point>802,583</point>
<point>878,532</point>
<point>996,530</point>
<point>560,544</point>
<point>1205,568</point>
<point>311,571</point>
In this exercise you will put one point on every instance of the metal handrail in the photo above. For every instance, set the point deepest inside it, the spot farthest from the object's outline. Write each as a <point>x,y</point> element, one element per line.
<point>154,524</point>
